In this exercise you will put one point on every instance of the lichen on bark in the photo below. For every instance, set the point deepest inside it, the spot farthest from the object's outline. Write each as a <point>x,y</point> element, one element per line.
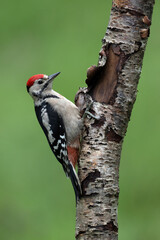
<point>112,89</point>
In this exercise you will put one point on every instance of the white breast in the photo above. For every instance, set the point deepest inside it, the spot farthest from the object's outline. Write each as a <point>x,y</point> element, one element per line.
<point>70,115</point>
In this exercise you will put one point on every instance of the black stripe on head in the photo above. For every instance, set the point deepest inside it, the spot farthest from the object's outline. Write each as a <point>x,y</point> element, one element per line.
<point>44,87</point>
<point>28,88</point>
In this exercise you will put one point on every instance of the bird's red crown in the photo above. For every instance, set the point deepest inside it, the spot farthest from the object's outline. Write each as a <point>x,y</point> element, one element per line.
<point>31,80</point>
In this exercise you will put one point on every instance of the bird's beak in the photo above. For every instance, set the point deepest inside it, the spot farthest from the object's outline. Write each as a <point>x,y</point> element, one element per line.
<point>48,83</point>
<point>51,77</point>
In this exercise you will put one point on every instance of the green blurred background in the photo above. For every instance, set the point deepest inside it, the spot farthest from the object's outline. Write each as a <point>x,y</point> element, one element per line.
<point>36,200</point>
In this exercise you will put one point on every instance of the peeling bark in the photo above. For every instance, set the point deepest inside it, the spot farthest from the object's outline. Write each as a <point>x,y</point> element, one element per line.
<point>112,87</point>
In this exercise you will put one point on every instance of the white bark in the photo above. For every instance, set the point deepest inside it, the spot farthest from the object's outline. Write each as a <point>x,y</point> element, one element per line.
<point>112,86</point>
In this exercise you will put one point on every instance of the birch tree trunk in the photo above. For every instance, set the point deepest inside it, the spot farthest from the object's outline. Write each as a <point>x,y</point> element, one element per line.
<point>112,86</point>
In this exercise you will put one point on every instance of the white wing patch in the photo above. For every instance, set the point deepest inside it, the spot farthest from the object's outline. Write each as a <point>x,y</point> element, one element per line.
<point>57,146</point>
<point>63,145</point>
<point>63,152</point>
<point>45,121</point>
<point>62,136</point>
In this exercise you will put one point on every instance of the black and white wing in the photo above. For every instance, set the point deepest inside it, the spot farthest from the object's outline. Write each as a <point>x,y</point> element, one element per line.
<point>53,127</point>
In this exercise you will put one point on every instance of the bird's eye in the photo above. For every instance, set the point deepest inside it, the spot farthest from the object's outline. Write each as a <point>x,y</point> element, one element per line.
<point>40,82</point>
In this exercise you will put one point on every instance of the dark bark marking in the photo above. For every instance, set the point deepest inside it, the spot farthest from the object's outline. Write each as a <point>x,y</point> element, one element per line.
<point>112,136</point>
<point>89,195</point>
<point>109,195</point>
<point>90,178</point>
<point>114,29</point>
<point>121,7</point>
<point>99,122</point>
<point>80,233</point>
<point>109,226</point>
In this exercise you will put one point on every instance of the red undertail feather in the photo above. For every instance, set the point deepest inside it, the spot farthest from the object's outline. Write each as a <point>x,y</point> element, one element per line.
<point>73,154</point>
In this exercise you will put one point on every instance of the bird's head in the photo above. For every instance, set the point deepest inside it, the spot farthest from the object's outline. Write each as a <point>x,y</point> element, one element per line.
<point>40,83</point>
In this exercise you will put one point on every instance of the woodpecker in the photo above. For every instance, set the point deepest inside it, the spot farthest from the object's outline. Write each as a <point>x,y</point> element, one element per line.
<point>61,122</point>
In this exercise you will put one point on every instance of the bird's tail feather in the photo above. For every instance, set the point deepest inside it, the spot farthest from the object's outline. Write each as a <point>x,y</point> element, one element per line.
<point>75,182</point>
